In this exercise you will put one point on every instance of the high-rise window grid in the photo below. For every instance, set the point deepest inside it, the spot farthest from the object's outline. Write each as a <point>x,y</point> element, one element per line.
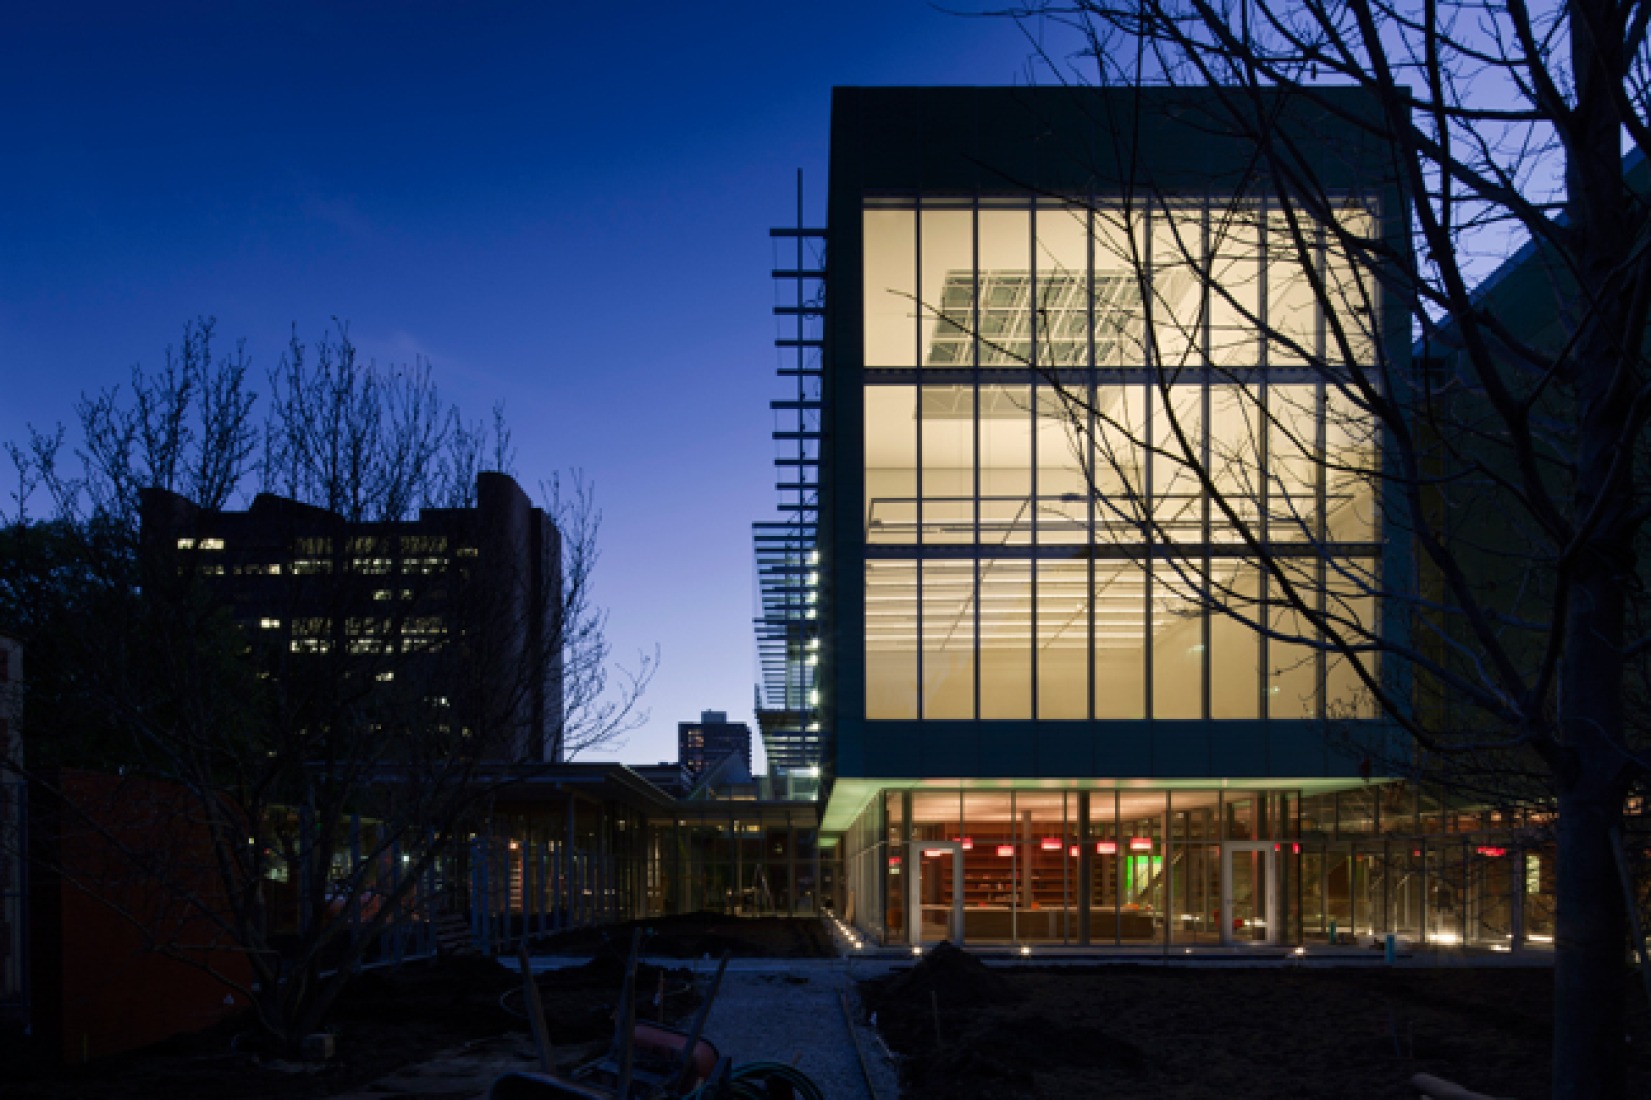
<point>1039,538</point>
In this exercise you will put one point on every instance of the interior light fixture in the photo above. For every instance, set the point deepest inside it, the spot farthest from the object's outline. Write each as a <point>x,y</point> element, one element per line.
<point>1106,847</point>
<point>1140,844</point>
<point>1006,850</point>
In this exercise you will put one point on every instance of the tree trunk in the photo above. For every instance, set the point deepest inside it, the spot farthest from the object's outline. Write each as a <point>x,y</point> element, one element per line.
<point>1588,950</point>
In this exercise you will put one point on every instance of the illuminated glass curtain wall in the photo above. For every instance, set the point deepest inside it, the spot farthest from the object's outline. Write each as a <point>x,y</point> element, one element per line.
<point>1077,418</point>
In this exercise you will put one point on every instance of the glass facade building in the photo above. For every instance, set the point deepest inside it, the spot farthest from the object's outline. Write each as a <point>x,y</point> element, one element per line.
<point>1103,533</point>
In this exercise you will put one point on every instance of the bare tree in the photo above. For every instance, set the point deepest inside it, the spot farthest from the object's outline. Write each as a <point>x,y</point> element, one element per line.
<point>317,763</point>
<point>1508,455</point>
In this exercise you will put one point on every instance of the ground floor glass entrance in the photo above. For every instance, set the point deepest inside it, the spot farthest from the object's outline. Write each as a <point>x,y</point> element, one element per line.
<point>1134,867</point>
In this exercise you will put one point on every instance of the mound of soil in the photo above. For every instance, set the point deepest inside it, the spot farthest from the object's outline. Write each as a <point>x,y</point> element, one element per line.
<point>1183,1033</point>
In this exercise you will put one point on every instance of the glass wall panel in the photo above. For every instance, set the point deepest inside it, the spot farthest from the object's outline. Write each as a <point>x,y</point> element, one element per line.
<point>990,867</point>
<point>890,270</point>
<point>891,639</point>
<point>1177,289</point>
<point>947,297</point>
<point>892,854</point>
<point>1292,307</point>
<point>1195,867</point>
<point>1005,287</point>
<point>1062,317</point>
<point>1005,638</point>
<point>1292,461</point>
<point>1398,807</point>
<point>1106,867</point>
<point>1539,887</point>
<point>1356,812</point>
<point>1351,473</point>
<point>1120,274</point>
<point>1235,644</point>
<point>1120,463</point>
<point>1178,640</point>
<point>891,464</point>
<point>1350,610</point>
<point>1005,465</point>
<point>949,639</point>
<point>1063,461</point>
<point>1488,902</point>
<point>1235,462</point>
<point>1045,838</point>
<point>1120,639</point>
<point>1141,855</point>
<point>1177,452</point>
<point>1235,284</point>
<point>948,484</point>
<point>1350,328</point>
<point>1292,658</point>
<point>1063,639</point>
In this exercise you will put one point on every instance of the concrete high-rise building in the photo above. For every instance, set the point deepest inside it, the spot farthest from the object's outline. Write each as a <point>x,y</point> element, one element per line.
<point>701,743</point>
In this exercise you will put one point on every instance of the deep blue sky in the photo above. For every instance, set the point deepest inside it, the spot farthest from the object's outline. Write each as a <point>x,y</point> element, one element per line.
<point>563,206</point>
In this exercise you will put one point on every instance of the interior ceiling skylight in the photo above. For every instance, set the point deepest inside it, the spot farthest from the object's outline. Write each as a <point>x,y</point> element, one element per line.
<point>1006,319</point>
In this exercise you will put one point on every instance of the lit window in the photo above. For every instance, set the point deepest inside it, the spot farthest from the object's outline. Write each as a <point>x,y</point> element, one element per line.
<point>270,624</point>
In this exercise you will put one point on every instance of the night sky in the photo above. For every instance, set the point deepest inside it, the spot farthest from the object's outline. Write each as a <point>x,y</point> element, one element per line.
<point>564,207</point>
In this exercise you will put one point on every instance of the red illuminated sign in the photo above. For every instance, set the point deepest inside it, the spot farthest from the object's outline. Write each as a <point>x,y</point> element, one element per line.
<point>1140,844</point>
<point>1106,847</point>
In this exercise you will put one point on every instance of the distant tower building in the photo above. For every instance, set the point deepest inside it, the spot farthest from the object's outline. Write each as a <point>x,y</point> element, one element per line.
<point>699,743</point>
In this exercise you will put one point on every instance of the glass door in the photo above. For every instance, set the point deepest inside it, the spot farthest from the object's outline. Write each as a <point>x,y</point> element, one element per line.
<point>932,894</point>
<point>1251,911</point>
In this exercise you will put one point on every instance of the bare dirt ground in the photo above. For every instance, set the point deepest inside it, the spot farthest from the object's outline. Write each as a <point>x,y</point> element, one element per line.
<point>966,1031</point>
<point>390,1019</point>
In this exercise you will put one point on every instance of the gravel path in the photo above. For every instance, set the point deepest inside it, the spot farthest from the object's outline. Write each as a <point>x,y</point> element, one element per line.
<point>784,1012</point>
